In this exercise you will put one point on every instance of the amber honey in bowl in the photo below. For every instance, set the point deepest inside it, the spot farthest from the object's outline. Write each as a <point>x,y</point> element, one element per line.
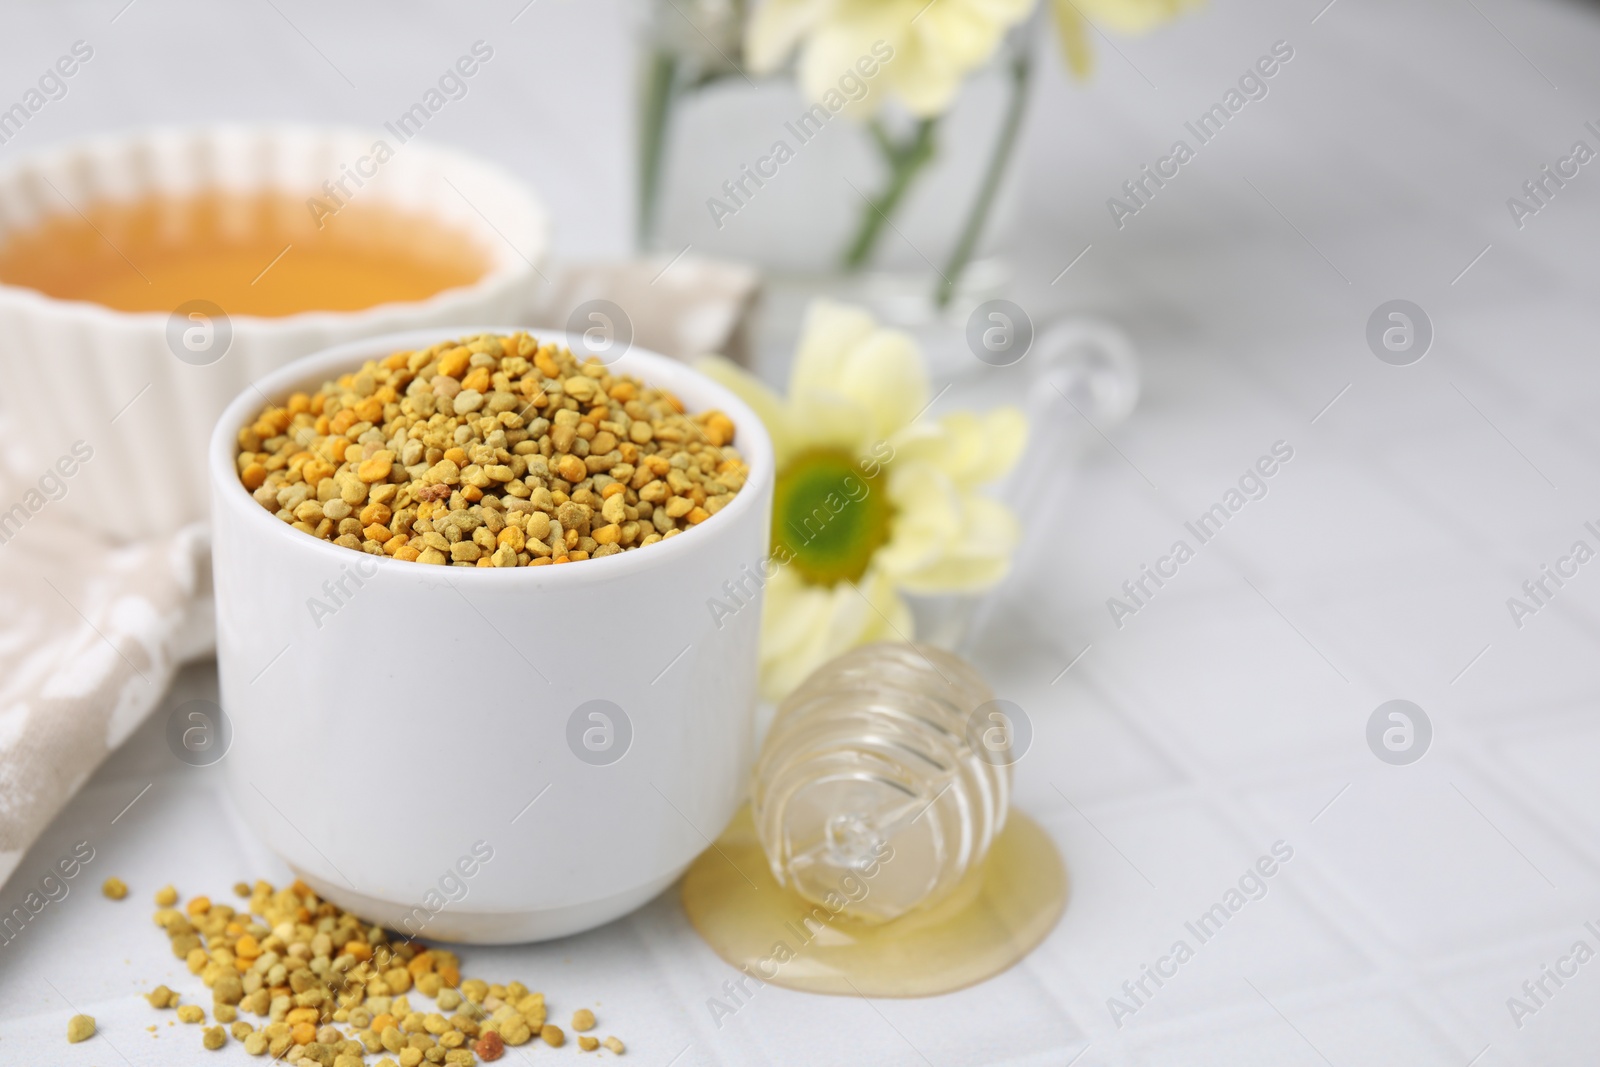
<point>257,253</point>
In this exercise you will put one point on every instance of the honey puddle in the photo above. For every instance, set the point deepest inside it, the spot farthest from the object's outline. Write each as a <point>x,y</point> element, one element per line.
<point>1004,910</point>
<point>249,253</point>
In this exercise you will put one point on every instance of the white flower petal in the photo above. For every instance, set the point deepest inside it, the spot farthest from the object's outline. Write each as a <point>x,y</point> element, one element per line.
<point>768,405</point>
<point>844,357</point>
<point>886,375</point>
<point>830,420</point>
<point>833,51</point>
<point>1073,35</point>
<point>981,448</point>
<point>796,622</point>
<point>923,79</point>
<point>1010,12</point>
<point>775,28</point>
<point>791,611</point>
<point>965,450</point>
<point>972,448</point>
<point>977,559</point>
<point>925,440</point>
<point>935,46</point>
<point>805,626</point>
<point>1132,16</point>
<point>831,330</point>
<point>944,537</point>
<point>1005,431</point>
<point>958,574</point>
<point>927,519</point>
<point>962,34</point>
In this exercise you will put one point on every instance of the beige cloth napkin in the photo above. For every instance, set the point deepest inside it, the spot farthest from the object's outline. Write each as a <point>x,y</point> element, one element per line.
<point>91,634</point>
<point>90,637</point>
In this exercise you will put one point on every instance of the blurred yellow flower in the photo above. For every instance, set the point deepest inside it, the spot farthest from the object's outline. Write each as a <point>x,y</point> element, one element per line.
<point>1074,19</point>
<point>936,45</point>
<point>871,500</point>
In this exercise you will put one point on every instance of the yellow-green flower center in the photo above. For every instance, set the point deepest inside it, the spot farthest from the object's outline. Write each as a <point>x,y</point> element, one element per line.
<point>828,517</point>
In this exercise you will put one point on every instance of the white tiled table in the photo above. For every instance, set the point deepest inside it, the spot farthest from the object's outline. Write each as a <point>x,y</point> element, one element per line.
<point>1230,713</point>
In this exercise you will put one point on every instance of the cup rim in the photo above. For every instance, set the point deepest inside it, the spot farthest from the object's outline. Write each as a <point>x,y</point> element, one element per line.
<point>697,390</point>
<point>507,271</point>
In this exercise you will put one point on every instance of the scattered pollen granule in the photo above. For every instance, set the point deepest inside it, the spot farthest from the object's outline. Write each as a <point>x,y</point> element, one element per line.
<point>328,988</point>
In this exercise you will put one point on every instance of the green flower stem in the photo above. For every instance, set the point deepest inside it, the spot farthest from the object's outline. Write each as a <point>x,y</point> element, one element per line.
<point>659,88</point>
<point>1005,144</point>
<point>905,161</point>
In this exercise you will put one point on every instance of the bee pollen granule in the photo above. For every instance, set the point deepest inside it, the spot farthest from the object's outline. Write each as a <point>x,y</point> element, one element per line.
<point>491,451</point>
<point>330,989</point>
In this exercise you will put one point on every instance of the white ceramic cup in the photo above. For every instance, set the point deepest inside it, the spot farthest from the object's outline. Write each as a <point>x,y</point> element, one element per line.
<point>72,371</point>
<point>440,715</point>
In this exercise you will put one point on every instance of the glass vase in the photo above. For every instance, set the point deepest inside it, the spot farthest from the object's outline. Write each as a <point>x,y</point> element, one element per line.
<point>904,215</point>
